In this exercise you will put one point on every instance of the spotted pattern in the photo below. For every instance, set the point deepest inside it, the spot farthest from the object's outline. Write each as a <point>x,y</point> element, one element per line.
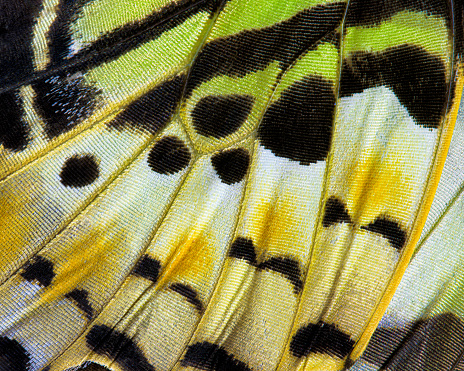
<point>79,171</point>
<point>169,156</point>
<point>148,267</point>
<point>39,269</point>
<point>231,165</point>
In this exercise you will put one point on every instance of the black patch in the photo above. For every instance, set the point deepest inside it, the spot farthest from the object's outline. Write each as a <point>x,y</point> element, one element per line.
<point>148,267</point>
<point>169,156</point>
<point>254,50</point>
<point>119,347</point>
<point>80,298</point>
<point>435,342</point>
<point>189,293</point>
<point>211,357</point>
<point>39,269</point>
<point>232,165</point>
<point>13,130</point>
<point>13,356</point>
<point>298,126</point>
<point>362,13</point>
<point>243,248</point>
<point>389,229</point>
<point>321,338</point>
<point>63,102</point>
<point>288,267</point>
<point>152,111</point>
<point>335,212</point>
<point>59,33</point>
<point>416,77</point>
<point>16,32</point>
<point>79,171</point>
<point>218,116</point>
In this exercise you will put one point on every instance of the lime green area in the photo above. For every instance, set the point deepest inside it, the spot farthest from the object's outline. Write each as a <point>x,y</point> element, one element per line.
<point>103,16</point>
<point>324,62</point>
<point>239,15</point>
<point>151,63</point>
<point>428,32</point>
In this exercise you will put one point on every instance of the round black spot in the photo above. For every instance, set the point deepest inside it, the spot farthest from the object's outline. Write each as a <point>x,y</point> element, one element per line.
<point>232,165</point>
<point>298,126</point>
<point>219,116</point>
<point>13,356</point>
<point>169,156</point>
<point>79,171</point>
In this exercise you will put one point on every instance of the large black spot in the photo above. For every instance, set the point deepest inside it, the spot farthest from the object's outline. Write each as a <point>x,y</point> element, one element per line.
<point>79,171</point>
<point>40,269</point>
<point>321,338</point>
<point>169,156</point>
<point>189,293</point>
<point>152,111</point>
<point>63,102</point>
<point>80,298</point>
<point>389,229</point>
<point>119,347</point>
<point>416,77</point>
<point>335,212</point>
<point>218,116</point>
<point>243,248</point>
<point>13,130</point>
<point>232,165</point>
<point>13,356</point>
<point>288,267</point>
<point>211,357</point>
<point>298,126</point>
<point>147,267</point>
<point>253,50</point>
<point>17,19</point>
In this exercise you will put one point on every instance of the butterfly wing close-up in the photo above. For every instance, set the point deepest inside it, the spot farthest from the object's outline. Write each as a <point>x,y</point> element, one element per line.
<point>231,185</point>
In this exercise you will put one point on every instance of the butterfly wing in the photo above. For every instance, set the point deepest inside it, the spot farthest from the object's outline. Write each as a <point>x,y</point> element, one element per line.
<point>190,184</point>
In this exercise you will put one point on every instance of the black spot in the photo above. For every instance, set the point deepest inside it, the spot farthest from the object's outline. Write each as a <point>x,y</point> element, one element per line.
<point>335,212</point>
<point>63,102</point>
<point>232,165</point>
<point>148,267</point>
<point>243,248</point>
<point>169,156</point>
<point>298,126</point>
<point>211,357</point>
<point>362,13</point>
<point>119,347</point>
<point>288,267</point>
<point>254,50</point>
<point>80,298</point>
<point>79,171</point>
<point>189,293</point>
<point>13,130</point>
<point>40,269</point>
<point>389,229</point>
<point>218,116</point>
<point>152,111</point>
<point>435,342</point>
<point>13,356</point>
<point>16,32</point>
<point>416,77</point>
<point>321,338</point>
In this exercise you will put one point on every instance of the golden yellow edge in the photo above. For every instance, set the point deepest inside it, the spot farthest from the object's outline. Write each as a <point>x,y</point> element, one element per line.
<point>442,152</point>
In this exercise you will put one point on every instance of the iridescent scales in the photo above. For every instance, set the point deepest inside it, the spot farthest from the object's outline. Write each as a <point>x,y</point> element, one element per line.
<point>214,185</point>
